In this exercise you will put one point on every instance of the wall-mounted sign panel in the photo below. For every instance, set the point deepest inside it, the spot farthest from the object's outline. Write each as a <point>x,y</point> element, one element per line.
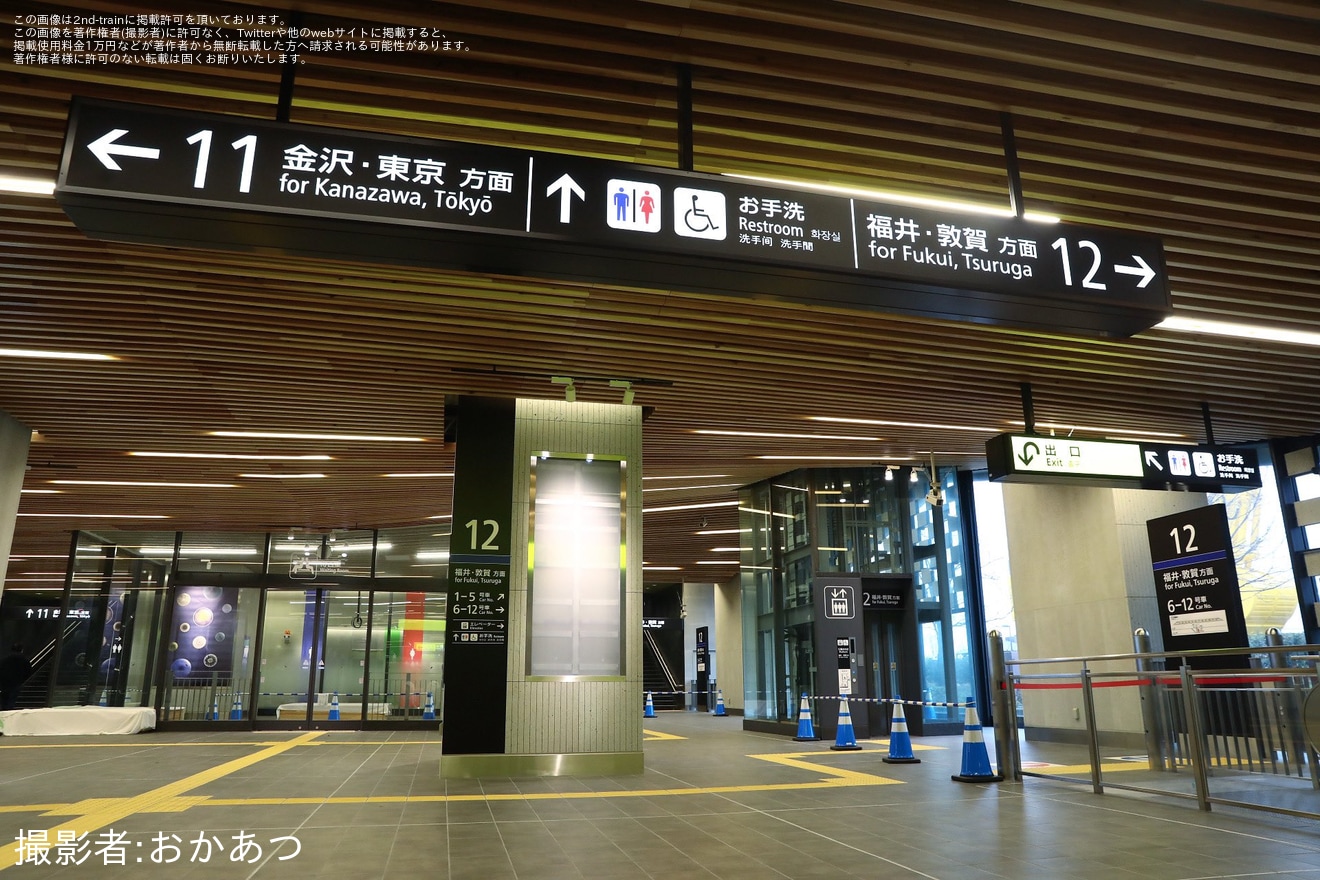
<point>1196,582</point>
<point>167,177</point>
<point>1037,459</point>
<point>1200,468</point>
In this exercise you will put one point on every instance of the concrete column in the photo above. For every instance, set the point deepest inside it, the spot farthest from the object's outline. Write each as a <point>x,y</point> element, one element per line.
<point>729,644</point>
<point>15,437</point>
<point>1082,582</point>
<point>699,606</point>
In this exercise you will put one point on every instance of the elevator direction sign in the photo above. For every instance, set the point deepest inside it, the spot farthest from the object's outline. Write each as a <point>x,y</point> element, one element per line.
<point>160,176</point>
<point>1037,459</point>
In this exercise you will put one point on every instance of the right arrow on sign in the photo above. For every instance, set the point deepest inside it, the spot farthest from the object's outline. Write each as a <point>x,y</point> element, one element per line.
<point>1143,270</point>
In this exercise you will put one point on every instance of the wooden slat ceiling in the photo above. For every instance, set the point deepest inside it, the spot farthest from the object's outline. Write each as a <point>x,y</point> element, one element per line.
<point>1197,122</point>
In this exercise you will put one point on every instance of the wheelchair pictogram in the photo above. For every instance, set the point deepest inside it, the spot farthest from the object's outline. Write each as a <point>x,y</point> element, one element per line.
<point>699,213</point>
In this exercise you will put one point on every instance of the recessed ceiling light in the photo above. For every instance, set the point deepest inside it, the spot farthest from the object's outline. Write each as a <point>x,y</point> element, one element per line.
<point>690,477</point>
<point>100,515</point>
<point>688,488</point>
<point>442,516</point>
<point>232,456</point>
<point>721,531</point>
<point>200,551</point>
<point>450,474</point>
<point>55,355</point>
<point>432,554</point>
<point>315,540</point>
<point>646,567</point>
<point>40,491</point>
<point>28,185</point>
<point>1240,331</point>
<point>143,483</point>
<point>1058,426</point>
<point>935,425</point>
<point>872,458</point>
<point>283,476</point>
<point>784,436</point>
<point>717,562</point>
<point>690,506</point>
<point>281,435</point>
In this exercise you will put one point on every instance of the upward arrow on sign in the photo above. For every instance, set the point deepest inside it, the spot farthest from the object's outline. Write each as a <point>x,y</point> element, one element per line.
<point>567,188</point>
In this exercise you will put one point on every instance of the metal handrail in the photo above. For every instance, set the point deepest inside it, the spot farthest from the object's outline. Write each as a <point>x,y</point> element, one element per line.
<point>1186,725</point>
<point>659,655</point>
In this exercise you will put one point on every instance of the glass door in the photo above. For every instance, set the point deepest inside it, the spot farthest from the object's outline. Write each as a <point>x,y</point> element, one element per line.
<point>292,651</point>
<point>882,663</point>
<point>406,656</point>
<point>314,658</point>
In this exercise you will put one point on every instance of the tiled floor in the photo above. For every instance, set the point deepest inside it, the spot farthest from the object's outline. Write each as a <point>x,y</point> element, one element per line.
<point>714,802</point>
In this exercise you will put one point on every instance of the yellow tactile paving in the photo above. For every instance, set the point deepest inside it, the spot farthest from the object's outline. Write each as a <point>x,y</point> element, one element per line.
<point>104,811</point>
<point>95,813</point>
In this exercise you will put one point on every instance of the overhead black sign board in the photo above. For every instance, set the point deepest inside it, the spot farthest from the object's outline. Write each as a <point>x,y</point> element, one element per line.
<point>1200,468</point>
<point>1196,584</point>
<point>1030,458</point>
<point>166,177</point>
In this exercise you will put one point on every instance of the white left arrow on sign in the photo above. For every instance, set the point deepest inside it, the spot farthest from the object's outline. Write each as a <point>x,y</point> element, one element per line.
<point>1142,269</point>
<point>105,149</point>
<point>567,188</point>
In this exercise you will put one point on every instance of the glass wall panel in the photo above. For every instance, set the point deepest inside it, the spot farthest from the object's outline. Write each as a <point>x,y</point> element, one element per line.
<point>866,521</point>
<point>216,552</point>
<point>342,676</point>
<point>857,514</point>
<point>576,582</point>
<point>1264,561</point>
<point>305,555</point>
<point>406,654</point>
<point>108,624</point>
<point>414,551</point>
<point>289,647</point>
<point>759,611</point>
<point>209,651</point>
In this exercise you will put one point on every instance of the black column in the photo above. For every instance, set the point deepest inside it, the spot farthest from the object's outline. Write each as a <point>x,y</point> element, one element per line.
<point>477,612</point>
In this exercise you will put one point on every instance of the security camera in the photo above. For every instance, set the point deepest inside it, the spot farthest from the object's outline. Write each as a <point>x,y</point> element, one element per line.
<point>934,497</point>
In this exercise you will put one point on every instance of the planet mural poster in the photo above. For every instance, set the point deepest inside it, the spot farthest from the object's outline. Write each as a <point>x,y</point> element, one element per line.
<point>202,634</point>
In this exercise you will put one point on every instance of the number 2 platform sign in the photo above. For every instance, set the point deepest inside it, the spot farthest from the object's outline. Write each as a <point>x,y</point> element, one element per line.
<point>1196,583</point>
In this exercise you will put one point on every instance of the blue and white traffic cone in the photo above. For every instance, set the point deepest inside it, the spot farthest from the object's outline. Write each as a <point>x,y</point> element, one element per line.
<point>975,759</point>
<point>236,711</point>
<point>333,714</point>
<point>428,711</point>
<point>650,707</point>
<point>806,733</point>
<point>719,704</point>
<point>845,740</point>
<point>215,710</point>
<point>900,744</point>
